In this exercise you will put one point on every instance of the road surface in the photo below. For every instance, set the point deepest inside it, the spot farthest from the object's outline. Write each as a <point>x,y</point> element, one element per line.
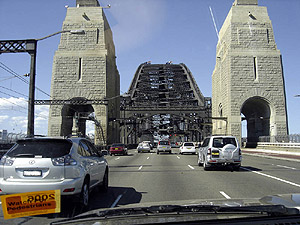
<point>148,177</point>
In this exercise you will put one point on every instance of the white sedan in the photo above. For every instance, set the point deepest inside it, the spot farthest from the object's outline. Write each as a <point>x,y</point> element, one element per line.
<point>187,147</point>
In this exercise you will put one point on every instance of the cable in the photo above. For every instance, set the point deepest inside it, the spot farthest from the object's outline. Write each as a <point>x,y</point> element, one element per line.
<point>7,78</point>
<point>37,115</point>
<point>6,68</point>
<point>13,102</point>
<point>13,91</point>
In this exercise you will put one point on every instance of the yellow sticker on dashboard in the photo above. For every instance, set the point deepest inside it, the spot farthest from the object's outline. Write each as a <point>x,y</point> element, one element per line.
<point>30,203</point>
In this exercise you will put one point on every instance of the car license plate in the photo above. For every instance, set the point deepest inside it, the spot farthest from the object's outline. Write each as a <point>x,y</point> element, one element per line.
<point>116,148</point>
<point>32,173</point>
<point>215,153</point>
<point>164,147</point>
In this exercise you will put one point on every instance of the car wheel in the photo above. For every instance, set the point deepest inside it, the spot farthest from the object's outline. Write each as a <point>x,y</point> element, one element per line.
<point>85,194</point>
<point>157,152</point>
<point>205,167</point>
<point>104,185</point>
<point>199,162</point>
<point>170,152</point>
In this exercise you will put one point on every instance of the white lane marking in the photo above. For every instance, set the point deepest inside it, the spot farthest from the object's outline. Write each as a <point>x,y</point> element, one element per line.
<point>178,157</point>
<point>151,153</point>
<point>287,167</point>
<point>116,201</point>
<point>225,195</point>
<point>191,167</point>
<point>117,158</point>
<point>148,157</point>
<point>275,178</point>
<point>140,167</point>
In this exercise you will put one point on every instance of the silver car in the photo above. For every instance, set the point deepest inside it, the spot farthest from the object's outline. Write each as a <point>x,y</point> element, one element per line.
<point>220,151</point>
<point>163,146</point>
<point>71,165</point>
<point>144,147</point>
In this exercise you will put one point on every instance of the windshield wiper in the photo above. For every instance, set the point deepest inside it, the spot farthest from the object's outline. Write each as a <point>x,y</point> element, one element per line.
<point>267,210</point>
<point>24,155</point>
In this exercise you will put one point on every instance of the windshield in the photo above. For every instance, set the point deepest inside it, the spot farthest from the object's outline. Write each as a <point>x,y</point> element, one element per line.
<point>188,144</point>
<point>164,143</point>
<point>117,145</point>
<point>177,102</point>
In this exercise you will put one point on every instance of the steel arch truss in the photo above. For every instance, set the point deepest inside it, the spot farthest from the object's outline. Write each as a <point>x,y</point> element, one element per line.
<point>164,102</point>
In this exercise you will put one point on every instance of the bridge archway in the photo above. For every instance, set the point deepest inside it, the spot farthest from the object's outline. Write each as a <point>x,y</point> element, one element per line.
<point>71,114</point>
<point>257,113</point>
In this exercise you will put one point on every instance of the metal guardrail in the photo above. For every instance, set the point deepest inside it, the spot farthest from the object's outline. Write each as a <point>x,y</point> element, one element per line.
<point>279,144</point>
<point>292,138</point>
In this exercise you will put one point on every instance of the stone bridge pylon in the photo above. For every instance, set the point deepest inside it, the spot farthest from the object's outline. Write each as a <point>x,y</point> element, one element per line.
<point>248,83</point>
<point>84,72</point>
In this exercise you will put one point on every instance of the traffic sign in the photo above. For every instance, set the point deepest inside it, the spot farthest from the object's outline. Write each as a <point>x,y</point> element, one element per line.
<point>30,203</point>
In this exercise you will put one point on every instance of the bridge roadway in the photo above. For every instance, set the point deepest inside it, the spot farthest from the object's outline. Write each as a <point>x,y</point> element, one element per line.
<point>148,177</point>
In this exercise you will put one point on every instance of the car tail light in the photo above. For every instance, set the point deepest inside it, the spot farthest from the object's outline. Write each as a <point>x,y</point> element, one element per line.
<point>209,151</point>
<point>7,161</point>
<point>66,160</point>
<point>69,190</point>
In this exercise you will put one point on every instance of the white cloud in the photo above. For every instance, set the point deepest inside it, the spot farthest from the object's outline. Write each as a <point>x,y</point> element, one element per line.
<point>41,112</point>
<point>14,116</point>
<point>3,118</point>
<point>19,123</point>
<point>13,104</point>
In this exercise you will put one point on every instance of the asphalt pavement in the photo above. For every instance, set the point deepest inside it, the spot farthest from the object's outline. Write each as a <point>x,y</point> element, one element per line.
<point>148,177</point>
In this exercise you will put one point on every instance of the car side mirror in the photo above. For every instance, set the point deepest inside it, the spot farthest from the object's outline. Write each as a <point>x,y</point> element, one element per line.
<point>103,152</point>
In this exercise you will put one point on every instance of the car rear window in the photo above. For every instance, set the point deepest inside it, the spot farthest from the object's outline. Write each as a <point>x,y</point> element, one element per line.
<point>117,145</point>
<point>188,144</point>
<point>45,148</point>
<point>221,142</point>
<point>164,143</point>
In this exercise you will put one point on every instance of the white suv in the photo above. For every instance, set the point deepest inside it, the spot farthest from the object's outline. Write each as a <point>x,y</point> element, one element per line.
<point>220,151</point>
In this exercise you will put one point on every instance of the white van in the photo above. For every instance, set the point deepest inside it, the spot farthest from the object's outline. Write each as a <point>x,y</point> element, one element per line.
<point>220,151</point>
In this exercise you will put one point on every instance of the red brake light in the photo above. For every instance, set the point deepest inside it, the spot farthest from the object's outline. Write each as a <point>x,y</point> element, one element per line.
<point>209,151</point>
<point>69,190</point>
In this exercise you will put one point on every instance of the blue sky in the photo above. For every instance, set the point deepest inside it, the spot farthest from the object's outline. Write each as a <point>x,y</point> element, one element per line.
<point>157,30</point>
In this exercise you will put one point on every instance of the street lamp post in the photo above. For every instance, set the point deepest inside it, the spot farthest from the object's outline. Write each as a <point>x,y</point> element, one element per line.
<point>30,46</point>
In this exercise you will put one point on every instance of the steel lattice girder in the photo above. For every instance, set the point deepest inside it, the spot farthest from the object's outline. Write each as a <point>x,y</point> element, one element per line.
<point>14,46</point>
<point>71,102</point>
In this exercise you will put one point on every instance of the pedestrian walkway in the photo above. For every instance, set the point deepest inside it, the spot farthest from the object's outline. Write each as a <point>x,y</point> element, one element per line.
<point>280,154</point>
